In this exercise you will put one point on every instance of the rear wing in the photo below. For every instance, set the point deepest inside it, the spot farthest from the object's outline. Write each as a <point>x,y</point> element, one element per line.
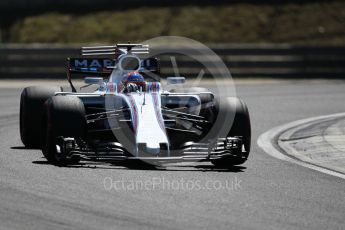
<point>96,66</point>
<point>104,66</point>
<point>115,49</point>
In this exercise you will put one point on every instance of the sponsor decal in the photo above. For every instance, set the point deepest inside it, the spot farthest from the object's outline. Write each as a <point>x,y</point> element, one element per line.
<point>91,62</point>
<point>148,64</point>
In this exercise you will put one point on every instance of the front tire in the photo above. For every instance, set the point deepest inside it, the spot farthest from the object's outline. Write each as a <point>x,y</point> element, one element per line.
<point>240,127</point>
<point>64,116</point>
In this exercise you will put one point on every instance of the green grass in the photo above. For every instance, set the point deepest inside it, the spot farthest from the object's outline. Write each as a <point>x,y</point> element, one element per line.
<point>311,23</point>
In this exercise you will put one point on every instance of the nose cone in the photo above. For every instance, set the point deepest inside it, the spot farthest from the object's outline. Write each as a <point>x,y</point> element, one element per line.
<point>154,150</point>
<point>149,125</point>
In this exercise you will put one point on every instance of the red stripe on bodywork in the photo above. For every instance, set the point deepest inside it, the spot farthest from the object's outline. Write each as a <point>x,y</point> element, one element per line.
<point>134,114</point>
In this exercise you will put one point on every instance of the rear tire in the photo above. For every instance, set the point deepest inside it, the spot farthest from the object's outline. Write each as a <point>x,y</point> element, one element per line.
<point>240,127</point>
<point>31,109</point>
<point>64,116</point>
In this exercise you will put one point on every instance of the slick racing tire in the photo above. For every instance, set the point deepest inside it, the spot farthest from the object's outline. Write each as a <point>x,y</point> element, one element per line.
<point>64,117</point>
<point>240,127</point>
<point>31,109</point>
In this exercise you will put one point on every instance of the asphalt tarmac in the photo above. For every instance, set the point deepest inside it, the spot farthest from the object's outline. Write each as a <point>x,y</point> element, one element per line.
<point>263,193</point>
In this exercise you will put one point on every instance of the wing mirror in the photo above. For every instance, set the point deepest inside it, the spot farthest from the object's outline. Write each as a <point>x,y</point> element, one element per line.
<point>93,80</point>
<point>176,80</point>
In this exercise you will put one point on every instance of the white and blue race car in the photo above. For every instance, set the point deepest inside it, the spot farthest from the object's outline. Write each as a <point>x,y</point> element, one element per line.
<point>130,118</point>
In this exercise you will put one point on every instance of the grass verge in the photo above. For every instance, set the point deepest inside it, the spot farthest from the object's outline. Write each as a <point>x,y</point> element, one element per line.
<point>309,23</point>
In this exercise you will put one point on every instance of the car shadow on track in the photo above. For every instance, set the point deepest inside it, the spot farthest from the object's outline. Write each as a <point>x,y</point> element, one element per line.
<point>145,166</point>
<point>178,167</point>
<point>22,148</point>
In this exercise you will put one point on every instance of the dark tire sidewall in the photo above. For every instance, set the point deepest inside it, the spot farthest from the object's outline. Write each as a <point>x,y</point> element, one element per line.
<point>58,122</point>
<point>31,113</point>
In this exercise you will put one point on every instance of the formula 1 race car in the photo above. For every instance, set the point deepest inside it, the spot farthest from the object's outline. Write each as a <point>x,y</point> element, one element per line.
<point>130,116</point>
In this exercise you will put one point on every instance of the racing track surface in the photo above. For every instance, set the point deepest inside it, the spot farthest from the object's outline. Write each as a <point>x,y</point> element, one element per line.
<point>268,193</point>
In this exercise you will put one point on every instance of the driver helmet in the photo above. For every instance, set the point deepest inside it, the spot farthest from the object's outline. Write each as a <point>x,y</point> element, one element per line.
<point>134,80</point>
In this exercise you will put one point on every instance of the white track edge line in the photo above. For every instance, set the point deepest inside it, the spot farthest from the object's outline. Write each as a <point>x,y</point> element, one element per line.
<point>265,142</point>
